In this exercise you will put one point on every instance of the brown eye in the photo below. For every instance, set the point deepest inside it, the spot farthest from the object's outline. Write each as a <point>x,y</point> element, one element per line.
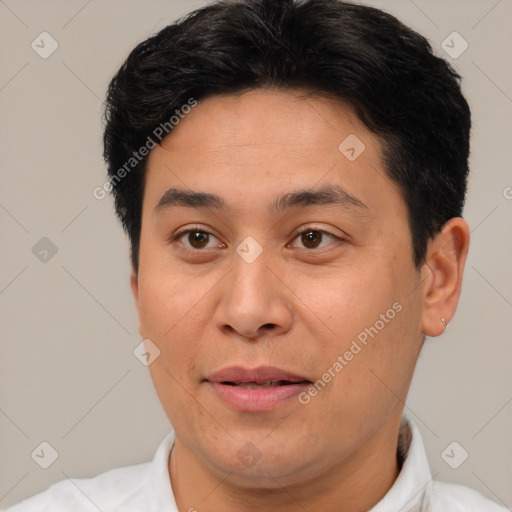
<point>314,238</point>
<point>311,238</point>
<point>198,239</point>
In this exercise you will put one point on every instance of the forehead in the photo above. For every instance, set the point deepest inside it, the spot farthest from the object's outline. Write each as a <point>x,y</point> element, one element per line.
<point>254,146</point>
<point>298,119</point>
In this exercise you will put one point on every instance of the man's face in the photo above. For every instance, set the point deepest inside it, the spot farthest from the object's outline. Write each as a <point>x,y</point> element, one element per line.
<point>332,279</point>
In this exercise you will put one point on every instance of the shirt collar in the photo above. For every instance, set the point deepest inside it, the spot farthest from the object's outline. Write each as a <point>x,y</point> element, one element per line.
<point>410,492</point>
<point>161,497</point>
<point>412,489</point>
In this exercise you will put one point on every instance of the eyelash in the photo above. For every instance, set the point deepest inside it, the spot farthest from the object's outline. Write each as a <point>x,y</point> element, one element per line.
<point>199,229</point>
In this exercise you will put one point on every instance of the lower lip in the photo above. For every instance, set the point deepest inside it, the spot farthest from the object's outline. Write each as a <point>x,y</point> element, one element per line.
<point>257,399</point>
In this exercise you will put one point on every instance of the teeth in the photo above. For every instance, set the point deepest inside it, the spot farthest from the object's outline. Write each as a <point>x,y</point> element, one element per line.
<point>266,384</point>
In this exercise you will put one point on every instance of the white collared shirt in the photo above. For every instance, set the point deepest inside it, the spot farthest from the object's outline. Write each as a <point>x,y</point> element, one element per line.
<point>146,487</point>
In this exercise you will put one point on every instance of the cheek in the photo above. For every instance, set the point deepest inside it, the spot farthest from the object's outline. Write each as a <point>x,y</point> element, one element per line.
<point>169,319</point>
<point>166,301</point>
<point>351,299</point>
<point>170,316</point>
<point>372,320</point>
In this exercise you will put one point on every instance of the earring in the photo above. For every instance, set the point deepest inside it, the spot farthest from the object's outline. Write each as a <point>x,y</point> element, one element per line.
<point>444,323</point>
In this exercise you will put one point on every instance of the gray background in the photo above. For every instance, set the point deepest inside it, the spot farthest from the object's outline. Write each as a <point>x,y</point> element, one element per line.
<point>68,375</point>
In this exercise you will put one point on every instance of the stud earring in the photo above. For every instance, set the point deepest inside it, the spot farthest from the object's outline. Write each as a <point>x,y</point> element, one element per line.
<point>444,323</point>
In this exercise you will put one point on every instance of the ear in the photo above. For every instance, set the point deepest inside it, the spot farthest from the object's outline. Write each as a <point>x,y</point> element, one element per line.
<point>442,275</point>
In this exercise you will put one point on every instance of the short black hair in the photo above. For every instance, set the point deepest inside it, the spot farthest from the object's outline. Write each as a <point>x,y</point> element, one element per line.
<point>361,55</point>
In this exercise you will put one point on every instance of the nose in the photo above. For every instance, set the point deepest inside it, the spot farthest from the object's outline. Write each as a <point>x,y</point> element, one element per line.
<point>254,301</point>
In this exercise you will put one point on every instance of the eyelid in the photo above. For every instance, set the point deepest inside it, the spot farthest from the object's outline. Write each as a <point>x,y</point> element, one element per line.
<point>197,227</point>
<point>316,227</point>
<point>296,233</point>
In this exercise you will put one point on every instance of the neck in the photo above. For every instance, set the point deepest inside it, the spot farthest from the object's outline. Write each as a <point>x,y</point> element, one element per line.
<point>353,485</point>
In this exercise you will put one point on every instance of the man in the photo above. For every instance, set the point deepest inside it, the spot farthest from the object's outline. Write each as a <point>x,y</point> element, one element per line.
<point>292,177</point>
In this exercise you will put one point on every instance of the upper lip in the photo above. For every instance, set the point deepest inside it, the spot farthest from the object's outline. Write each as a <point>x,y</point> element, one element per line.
<point>257,375</point>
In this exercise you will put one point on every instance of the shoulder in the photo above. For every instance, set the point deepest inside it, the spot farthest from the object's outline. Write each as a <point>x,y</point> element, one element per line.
<point>108,492</point>
<point>448,497</point>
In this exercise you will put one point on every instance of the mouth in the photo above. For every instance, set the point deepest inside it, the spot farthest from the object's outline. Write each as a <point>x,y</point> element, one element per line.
<point>266,384</point>
<point>256,390</point>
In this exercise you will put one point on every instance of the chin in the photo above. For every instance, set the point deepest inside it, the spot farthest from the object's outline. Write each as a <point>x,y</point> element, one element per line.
<point>267,468</point>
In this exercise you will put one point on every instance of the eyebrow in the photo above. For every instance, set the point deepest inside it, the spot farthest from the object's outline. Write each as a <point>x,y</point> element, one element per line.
<point>328,195</point>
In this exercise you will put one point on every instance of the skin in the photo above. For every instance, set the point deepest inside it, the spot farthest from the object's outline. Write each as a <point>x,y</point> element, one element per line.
<point>206,308</point>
